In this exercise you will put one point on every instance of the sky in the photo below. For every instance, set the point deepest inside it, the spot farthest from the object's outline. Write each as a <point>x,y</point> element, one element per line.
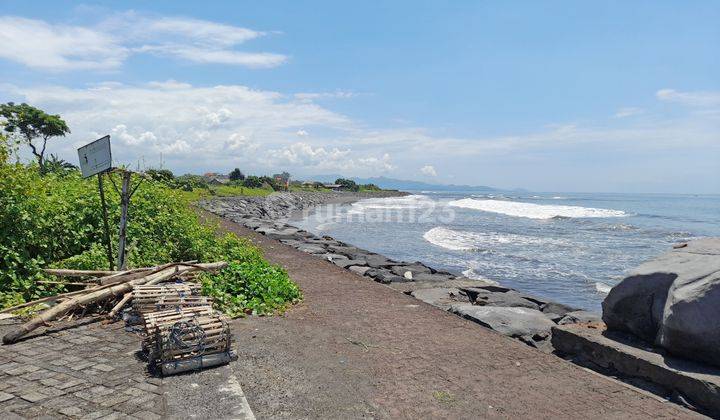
<point>614,96</point>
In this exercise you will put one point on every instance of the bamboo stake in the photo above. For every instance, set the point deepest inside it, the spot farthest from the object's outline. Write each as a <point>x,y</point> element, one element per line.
<point>120,305</point>
<point>101,293</point>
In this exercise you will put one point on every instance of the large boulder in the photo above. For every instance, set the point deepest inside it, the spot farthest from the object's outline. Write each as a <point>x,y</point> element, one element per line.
<point>673,301</point>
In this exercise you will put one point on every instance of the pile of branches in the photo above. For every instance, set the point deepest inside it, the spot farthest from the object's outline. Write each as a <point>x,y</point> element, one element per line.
<point>112,289</point>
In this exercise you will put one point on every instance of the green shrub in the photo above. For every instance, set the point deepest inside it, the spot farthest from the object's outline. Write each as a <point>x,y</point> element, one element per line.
<point>56,221</point>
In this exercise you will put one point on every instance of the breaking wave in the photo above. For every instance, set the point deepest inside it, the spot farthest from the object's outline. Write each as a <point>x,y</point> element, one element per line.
<point>407,202</point>
<point>465,241</point>
<point>534,211</point>
<point>602,287</point>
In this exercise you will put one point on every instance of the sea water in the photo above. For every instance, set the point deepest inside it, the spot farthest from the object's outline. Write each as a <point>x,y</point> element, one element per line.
<point>570,248</point>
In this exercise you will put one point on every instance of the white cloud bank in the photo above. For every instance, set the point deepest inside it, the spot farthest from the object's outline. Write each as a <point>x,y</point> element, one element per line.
<point>106,45</point>
<point>428,170</point>
<point>200,129</point>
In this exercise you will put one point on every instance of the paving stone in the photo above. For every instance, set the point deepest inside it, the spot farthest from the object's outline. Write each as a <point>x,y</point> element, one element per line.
<point>149,387</point>
<point>111,400</point>
<point>22,370</point>
<point>50,382</point>
<point>96,414</point>
<point>147,415</point>
<point>71,411</point>
<point>33,397</point>
<point>103,367</point>
<point>4,396</point>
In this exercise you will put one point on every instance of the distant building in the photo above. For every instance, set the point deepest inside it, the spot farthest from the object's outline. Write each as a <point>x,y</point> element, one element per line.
<point>213,178</point>
<point>334,187</point>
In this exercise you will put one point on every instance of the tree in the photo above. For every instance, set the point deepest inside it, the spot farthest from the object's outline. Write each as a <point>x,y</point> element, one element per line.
<point>236,175</point>
<point>59,166</point>
<point>252,182</point>
<point>347,184</point>
<point>163,175</point>
<point>28,123</point>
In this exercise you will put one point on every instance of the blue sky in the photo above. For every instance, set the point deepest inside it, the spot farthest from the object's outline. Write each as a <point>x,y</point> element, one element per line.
<point>549,96</point>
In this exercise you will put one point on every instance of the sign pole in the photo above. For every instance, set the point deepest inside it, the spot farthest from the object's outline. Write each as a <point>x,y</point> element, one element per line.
<point>105,221</point>
<point>124,202</point>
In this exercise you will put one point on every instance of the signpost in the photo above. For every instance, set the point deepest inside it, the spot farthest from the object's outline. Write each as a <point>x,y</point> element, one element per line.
<point>96,159</point>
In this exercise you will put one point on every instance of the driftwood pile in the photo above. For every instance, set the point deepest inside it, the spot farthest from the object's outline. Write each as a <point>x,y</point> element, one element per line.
<point>107,289</point>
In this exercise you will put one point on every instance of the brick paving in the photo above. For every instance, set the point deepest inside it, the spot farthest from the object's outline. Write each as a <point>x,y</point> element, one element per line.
<point>90,371</point>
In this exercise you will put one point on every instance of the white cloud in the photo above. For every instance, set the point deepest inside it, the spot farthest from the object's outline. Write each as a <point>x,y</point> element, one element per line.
<point>320,158</point>
<point>698,99</point>
<point>428,170</point>
<point>201,129</point>
<point>106,45</point>
<point>40,45</point>
<point>311,96</point>
<point>628,112</point>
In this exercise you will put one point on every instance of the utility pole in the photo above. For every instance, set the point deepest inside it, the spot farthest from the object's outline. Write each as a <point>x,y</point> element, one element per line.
<point>105,221</point>
<point>124,202</point>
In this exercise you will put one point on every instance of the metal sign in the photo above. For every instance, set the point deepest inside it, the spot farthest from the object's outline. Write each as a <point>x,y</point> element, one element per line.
<point>95,157</point>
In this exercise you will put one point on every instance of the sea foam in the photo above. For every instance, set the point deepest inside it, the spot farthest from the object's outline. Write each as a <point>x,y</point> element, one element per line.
<point>408,202</point>
<point>534,211</point>
<point>458,240</point>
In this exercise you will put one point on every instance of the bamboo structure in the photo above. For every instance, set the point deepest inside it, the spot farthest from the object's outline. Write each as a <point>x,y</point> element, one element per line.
<point>121,286</point>
<point>185,333</point>
<point>153,298</point>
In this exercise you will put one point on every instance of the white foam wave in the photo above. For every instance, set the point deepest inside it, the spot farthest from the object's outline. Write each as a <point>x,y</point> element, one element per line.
<point>602,287</point>
<point>534,211</point>
<point>464,241</point>
<point>472,274</point>
<point>391,203</point>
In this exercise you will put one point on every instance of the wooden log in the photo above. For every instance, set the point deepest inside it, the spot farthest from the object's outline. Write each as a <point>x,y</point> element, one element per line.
<point>43,300</point>
<point>62,272</point>
<point>94,295</point>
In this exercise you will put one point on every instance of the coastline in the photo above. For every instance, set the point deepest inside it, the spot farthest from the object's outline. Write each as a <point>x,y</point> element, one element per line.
<point>519,315</point>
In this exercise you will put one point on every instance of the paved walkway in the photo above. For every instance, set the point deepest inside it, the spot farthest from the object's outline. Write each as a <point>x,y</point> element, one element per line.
<point>355,348</point>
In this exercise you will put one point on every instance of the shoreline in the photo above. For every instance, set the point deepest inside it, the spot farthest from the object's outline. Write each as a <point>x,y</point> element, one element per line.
<point>516,314</point>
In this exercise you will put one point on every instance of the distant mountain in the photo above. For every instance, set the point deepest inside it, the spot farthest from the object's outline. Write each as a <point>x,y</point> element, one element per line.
<point>399,184</point>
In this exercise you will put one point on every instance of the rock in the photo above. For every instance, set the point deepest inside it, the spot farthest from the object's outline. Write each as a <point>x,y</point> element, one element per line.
<point>432,277</point>
<point>526,323</point>
<point>311,249</point>
<point>556,311</point>
<point>344,263</point>
<point>360,270</point>
<point>579,317</point>
<point>511,298</point>
<point>378,261</point>
<point>673,301</point>
<point>690,325</point>
<point>333,257</point>
<point>441,297</point>
<point>416,268</point>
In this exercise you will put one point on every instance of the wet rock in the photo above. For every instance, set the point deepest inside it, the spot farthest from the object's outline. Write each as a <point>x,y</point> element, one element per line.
<point>311,249</point>
<point>378,261</point>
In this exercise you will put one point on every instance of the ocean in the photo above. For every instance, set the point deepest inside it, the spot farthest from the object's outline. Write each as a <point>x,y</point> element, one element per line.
<point>570,248</point>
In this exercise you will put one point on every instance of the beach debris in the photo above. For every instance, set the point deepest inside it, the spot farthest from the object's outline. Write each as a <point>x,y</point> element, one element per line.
<point>108,288</point>
<point>187,338</point>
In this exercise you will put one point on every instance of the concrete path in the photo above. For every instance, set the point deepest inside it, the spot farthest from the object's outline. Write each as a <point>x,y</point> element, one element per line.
<point>355,348</point>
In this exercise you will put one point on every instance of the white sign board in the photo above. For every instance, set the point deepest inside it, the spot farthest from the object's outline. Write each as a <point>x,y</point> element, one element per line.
<point>95,157</point>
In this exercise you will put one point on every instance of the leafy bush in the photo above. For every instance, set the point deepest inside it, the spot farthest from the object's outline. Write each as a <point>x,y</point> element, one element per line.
<point>55,220</point>
<point>248,287</point>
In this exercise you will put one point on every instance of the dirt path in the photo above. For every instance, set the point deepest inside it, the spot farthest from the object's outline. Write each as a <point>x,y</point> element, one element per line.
<point>355,348</point>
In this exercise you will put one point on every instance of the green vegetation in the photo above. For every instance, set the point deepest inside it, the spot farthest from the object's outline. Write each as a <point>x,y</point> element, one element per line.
<point>54,220</point>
